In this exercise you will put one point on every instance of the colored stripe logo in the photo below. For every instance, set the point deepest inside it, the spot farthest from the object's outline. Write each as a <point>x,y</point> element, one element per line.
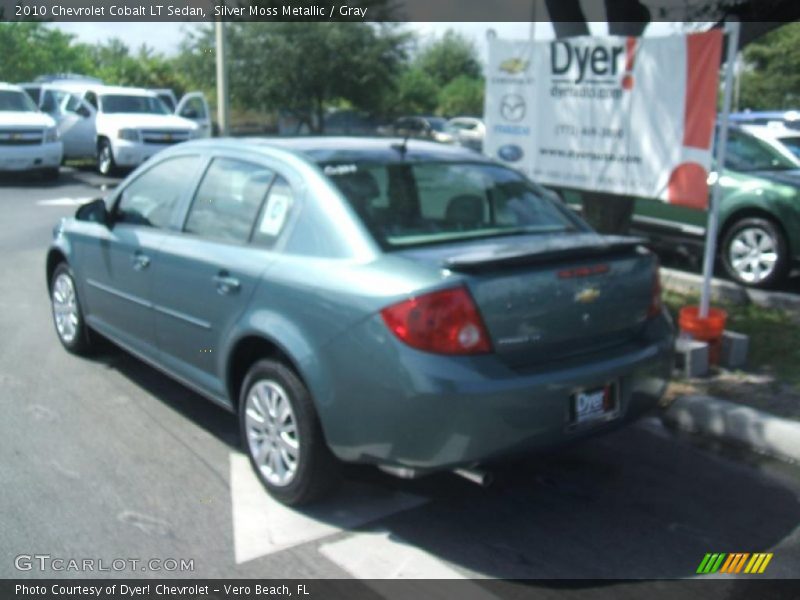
<point>736,562</point>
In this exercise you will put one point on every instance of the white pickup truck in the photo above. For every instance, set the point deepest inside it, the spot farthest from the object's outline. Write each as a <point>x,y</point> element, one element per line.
<point>28,138</point>
<point>118,126</point>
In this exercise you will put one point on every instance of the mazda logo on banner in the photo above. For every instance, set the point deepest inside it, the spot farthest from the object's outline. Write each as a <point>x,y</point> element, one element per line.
<point>512,108</point>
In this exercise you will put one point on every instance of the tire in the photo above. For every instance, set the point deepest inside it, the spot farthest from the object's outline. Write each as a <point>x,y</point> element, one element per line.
<point>68,319</point>
<point>105,158</point>
<point>755,252</point>
<point>296,467</point>
<point>50,174</point>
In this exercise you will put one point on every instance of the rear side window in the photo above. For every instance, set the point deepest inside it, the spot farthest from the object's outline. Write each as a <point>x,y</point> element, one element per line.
<point>151,198</point>
<point>228,200</point>
<point>426,203</point>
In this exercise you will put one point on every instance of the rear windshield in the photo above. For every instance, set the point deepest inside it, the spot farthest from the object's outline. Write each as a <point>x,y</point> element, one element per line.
<point>407,204</point>
<point>118,103</point>
<point>13,101</point>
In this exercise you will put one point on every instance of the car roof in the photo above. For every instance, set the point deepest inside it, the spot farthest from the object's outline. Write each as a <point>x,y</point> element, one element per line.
<point>321,149</point>
<point>84,86</point>
<point>10,86</point>
<point>773,130</point>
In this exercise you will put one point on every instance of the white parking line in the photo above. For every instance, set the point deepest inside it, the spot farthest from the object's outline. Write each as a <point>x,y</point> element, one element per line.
<point>262,526</point>
<point>64,201</point>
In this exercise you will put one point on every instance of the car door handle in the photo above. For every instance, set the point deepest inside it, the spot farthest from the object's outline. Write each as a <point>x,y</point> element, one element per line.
<point>226,284</point>
<point>140,261</point>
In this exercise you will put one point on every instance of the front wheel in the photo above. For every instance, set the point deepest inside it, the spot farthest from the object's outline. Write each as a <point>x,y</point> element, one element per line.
<point>755,252</point>
<point>281,432</point>
<point>67,313</point>
<point>105,158</point>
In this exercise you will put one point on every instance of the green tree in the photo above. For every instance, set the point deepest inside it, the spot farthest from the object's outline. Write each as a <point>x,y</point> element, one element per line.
<point>771,79</point>
<point>451,56</point>
<point>30,49</point>
<point>303,68</point>
<point>462,96</point>
<point>416,93</point>
<point>114,63</point>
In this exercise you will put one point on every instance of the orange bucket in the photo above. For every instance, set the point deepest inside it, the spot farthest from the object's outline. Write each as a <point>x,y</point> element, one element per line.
<point>707,330</point>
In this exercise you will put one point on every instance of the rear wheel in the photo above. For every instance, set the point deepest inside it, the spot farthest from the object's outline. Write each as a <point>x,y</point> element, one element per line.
<point>281,432</point>
<point>105,158</point>
<point>67,313</point>
<point>755,252</point>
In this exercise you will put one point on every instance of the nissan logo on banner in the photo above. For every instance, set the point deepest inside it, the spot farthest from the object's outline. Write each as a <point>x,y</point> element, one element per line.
<point>512,108</point>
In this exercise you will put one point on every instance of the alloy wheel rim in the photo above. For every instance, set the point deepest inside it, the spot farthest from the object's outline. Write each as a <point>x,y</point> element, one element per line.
<point>65,308</point>
<point>272,436</point>
<point>753,254</point>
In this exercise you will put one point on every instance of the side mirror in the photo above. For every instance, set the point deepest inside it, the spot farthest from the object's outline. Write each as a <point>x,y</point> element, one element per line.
<point>93,212</point>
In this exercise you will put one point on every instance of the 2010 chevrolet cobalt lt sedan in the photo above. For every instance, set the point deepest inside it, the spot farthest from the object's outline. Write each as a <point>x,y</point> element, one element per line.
<point>400,303</point>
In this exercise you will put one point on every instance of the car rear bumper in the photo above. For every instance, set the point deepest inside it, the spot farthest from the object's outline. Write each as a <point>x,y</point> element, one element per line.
<point>401,407</point>
<point>31,158</point>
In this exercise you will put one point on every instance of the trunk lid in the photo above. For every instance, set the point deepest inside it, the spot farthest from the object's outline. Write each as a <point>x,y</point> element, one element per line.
<point>550,297</point>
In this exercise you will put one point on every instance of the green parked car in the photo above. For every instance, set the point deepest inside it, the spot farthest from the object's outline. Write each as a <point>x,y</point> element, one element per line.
<point>759,234</point>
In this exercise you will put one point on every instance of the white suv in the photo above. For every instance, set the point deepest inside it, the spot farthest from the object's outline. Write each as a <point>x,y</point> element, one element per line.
<point>118,126</point>
<point>28,138</point>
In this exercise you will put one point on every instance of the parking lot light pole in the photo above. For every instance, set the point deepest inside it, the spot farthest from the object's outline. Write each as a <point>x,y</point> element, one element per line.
<point>222,79</point>
<point>732,29</point>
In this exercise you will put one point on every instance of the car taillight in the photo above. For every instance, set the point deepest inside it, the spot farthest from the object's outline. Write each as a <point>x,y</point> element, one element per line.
<point>655,298</point>
<point>445,322</point>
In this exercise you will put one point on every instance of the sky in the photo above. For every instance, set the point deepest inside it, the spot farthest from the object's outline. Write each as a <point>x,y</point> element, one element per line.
<point>165,37</point>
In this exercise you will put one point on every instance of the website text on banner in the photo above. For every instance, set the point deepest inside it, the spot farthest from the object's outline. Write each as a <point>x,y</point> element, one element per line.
<point>623,115</point>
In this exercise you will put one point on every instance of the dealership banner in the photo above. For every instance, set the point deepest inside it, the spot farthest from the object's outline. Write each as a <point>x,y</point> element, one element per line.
<point>623,115</point>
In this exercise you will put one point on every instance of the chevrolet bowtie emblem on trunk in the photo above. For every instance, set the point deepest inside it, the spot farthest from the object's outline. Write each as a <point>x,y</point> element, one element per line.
<point>587,296</point>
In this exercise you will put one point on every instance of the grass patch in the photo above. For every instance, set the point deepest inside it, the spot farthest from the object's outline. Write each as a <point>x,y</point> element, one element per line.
<point>774,335</point>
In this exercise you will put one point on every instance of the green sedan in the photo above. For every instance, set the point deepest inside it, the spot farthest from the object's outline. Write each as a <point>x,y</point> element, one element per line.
<point>759,239</point>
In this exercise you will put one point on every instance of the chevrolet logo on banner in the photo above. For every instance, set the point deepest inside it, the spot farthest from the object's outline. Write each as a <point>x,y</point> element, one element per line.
<point>734,563</point>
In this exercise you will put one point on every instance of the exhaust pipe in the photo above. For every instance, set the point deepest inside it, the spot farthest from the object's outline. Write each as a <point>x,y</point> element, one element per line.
<point>482,478</point>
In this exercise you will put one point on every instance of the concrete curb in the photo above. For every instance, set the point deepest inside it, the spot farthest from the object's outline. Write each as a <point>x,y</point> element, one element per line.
<point>727,291</point>
<point>732,422</point>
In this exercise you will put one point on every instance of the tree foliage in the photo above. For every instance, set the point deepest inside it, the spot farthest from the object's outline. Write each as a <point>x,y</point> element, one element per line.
<point>304,67</point>
<point>451,56</point>
<point>462,96</point>
<point>437,77</point>
<point>32,49</point>
<point>771,79</point>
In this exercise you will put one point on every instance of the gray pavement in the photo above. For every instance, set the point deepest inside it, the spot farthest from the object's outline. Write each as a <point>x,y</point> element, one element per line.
<point>106,458</point>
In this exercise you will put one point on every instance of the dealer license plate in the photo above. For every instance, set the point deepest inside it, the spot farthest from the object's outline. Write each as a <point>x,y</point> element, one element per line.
<point>594,404</point>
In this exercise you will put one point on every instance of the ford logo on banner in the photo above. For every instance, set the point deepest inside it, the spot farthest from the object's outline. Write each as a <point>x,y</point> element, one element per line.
<point>510,153</point>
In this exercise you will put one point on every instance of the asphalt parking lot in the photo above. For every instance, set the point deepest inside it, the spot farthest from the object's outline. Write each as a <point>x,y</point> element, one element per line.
<point>105,458</point>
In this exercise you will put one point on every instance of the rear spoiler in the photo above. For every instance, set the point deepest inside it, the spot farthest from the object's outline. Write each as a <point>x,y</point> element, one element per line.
<point>523,254</point>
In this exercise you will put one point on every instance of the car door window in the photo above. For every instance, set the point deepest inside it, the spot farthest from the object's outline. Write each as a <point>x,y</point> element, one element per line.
<point>194,109</point>
<point>228,200</point>
<point>91,98</point>
<point>151,198</point>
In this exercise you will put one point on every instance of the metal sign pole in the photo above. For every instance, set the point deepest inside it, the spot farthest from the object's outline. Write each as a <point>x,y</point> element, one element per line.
<point>732,29</point>
<point>222,79</point>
